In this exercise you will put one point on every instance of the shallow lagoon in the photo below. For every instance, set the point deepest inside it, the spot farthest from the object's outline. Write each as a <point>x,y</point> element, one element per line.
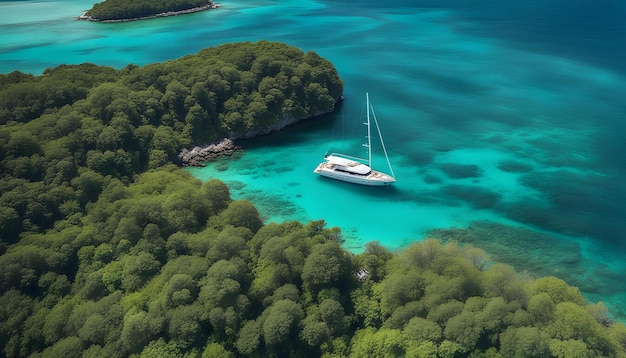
<point>504,122</point>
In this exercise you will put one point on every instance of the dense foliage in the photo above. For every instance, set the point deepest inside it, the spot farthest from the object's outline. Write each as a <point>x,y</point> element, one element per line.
<point>171,267</point>
<point>109,251</point>
<point>124,9</point>
<point>64,133</point>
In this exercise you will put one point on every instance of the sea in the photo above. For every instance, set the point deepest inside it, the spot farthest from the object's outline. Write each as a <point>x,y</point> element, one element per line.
<point>504,121</point>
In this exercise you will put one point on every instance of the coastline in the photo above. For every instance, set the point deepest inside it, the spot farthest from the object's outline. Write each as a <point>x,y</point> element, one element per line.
<point>85,17</point>
<point>198,155</point>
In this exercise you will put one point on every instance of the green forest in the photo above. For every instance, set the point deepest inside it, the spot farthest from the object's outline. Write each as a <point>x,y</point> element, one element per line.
<point>123,9</point>
<point>109,249</point>
<point>66,132</point>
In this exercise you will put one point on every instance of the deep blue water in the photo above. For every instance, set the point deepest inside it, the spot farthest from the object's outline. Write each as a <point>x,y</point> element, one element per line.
<point>504,118</point>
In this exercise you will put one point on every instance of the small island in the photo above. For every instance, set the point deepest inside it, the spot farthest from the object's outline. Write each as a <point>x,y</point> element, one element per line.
<point>123,10</point>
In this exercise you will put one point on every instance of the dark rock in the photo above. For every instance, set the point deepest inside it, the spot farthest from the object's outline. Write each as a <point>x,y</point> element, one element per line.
<point>198,155</point>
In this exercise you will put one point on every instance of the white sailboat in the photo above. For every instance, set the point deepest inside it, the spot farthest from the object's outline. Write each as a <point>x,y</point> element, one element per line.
<point>358,170</point>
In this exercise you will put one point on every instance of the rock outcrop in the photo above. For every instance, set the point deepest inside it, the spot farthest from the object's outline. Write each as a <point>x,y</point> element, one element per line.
<point>198,155</point>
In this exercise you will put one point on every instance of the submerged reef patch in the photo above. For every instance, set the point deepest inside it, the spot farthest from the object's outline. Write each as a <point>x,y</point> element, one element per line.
<point>461,171</point>
<point>526,250</point>
<point>475,196</point>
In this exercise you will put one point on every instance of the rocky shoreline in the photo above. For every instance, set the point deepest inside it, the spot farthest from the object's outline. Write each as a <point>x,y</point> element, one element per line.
<point>197,156</point>
<point>86,17</point>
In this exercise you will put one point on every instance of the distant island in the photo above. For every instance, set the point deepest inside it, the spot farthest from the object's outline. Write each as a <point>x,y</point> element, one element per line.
<point>124,10</point>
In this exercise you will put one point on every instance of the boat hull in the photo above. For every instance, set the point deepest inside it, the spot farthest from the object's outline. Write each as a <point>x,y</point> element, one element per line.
<point>375,178</point>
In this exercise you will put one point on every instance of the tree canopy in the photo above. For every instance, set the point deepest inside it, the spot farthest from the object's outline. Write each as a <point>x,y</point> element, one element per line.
<point>129,280</point>
<point>67,133</point>
<point>124,9</point>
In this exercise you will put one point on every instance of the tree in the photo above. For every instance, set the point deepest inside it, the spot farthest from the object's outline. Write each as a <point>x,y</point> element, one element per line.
<point>367,306</point>
<point>15,307</point>
<point>420,254</point>
<point>333,315</point>
<point>89,185</point>
<point>161,349</point>
<point>370,342</point>
<point>422,330</point>
<point>55,322</point>
<point>181,290</point>
<point>374,259</point>
<point>93,330</point>
<point>600,312</point>
<point>9,224</point>
<point>185,210</point>
<point>280,322</point>
<point>570,349</point>
<point>523,342</point>
<point>22,144</point>
<point>67,347</point>
<point>401,316</point>
<point>424,349</point>
<point>477,257</point>
<point>218,194</point>
<point>399,289</point>
<point>229,243</point>
<point>223,283</point>
<point>449,349</point>
<point>314,333</point>
<point>103,96</point>
<point>216,350</point>
<point>194,266</point>
<point>137,270</point>
<point>558,290</point>
<point>495,317</point>
<point>464,329</point>
<point>442,290</point>
<point>174,98</point>
<point>136,332</point>
<point>572,321</point>
<point>32,339</point>
<point>249,338</point>
<point>326,265</point>
<point>166,139</point>
<point>185,326</point>
<point>239,213</point>
<point>541,308</point>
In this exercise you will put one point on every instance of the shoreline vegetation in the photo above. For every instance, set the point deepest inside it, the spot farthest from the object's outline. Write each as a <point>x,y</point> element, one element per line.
<point>89,14</point>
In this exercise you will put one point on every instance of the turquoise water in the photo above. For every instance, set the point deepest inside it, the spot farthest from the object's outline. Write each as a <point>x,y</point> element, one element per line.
<point>503,121</point>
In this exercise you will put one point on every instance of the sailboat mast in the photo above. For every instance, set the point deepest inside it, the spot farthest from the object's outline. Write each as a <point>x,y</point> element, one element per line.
<point>369,134</point>
<point>380,136</point>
